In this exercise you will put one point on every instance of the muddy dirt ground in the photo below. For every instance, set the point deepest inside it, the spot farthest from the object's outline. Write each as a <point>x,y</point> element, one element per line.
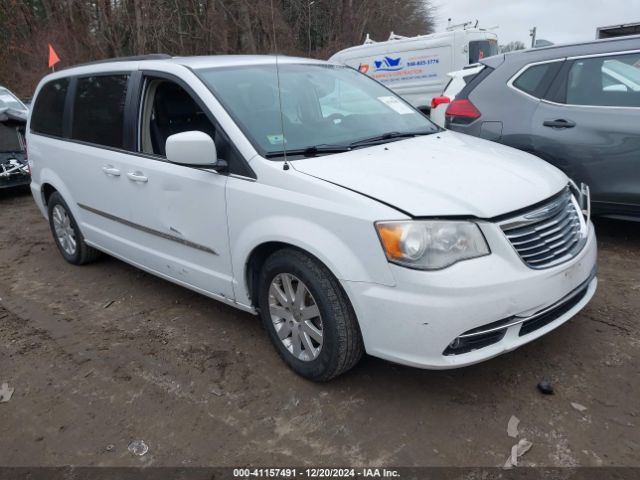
<point>104,354</point>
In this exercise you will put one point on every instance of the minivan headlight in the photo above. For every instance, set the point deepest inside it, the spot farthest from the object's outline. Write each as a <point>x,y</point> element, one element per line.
<point>431,244</point>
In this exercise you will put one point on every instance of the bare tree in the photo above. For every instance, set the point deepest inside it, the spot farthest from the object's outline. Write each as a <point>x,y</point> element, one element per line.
<point>512,46</point>
<point>85,30</point>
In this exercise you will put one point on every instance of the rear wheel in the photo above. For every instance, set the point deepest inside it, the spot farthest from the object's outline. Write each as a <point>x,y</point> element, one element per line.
<point>66,233</point>
<point>308,316</point>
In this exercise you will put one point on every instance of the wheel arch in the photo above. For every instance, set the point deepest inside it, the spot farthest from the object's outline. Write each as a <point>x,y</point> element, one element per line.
<point>46,191</point>
<point>258,257</point>
<point>347,251</point>
<point>262,252</point>
<point>50,182</point>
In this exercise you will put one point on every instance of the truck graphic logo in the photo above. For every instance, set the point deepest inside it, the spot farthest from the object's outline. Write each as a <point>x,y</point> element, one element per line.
<point>388,64</point>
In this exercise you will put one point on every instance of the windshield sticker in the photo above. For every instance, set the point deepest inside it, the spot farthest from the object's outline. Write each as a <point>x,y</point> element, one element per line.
<point>276,139</point>
<point>396,105</point>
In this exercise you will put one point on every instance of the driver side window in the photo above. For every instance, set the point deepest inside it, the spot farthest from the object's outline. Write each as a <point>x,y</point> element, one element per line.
<point>167,109</point>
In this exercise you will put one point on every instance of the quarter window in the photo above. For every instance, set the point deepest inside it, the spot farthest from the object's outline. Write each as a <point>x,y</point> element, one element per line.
<point>98,111</point>
<point>605,81</point>
<point>49,108</point>
<point>530,81</point>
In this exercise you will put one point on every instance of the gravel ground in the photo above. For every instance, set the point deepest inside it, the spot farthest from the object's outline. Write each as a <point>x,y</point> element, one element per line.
<point>105,354</point>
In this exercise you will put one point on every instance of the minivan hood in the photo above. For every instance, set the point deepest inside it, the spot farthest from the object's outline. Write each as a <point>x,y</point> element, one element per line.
<point>443,174</point>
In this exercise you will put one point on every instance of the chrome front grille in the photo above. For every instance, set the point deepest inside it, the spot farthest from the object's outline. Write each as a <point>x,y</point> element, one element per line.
<point>550,234</point>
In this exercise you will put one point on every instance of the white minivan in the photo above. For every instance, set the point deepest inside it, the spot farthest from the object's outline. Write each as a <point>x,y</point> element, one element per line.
<point>416,67</point>
<point>311,195</point>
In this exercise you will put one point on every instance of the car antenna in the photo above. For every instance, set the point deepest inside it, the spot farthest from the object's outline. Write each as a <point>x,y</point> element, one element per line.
<point>285,166</point>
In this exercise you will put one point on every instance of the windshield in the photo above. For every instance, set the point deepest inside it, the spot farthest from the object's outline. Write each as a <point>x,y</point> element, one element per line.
<point>322,106</point>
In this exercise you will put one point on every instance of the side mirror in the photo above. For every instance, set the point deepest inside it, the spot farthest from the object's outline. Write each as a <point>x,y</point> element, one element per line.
<point>193,148</point>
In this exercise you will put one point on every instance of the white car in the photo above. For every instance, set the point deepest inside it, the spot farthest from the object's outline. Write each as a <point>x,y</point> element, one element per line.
<point>310,195</point>
<point>11,106</point>
<point>456,83</point>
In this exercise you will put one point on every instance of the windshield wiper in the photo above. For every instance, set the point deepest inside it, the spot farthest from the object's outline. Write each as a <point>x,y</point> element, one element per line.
<point>314,150</point>
<point>389,136</point>
<point>311,151</point>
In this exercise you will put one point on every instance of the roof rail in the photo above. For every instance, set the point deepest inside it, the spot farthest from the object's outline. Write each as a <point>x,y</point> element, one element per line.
<point>576,44</point>
<point>368,41</point>
<point>461,26</point>
<point>134,58</point>
<point>393,36</point>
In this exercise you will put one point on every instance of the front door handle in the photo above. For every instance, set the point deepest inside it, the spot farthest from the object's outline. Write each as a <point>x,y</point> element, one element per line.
<point>111,170</point>
<point>560,123</point>
<point>137,176</point>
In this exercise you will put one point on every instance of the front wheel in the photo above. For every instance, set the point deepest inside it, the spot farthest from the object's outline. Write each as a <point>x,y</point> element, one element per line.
<point>308,316</point>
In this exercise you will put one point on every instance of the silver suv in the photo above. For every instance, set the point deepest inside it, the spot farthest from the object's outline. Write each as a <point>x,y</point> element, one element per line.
<point>576,106</point>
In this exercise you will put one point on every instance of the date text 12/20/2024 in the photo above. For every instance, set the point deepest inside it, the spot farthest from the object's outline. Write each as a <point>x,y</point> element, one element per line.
<point>315,473</point>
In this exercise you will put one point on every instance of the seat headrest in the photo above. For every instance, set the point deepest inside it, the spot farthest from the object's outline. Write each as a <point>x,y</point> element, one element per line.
<point>180,106</point>
<point>173,102</point>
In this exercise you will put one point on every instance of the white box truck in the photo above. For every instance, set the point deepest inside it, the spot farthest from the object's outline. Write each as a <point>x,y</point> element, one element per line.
<point>416,67</point>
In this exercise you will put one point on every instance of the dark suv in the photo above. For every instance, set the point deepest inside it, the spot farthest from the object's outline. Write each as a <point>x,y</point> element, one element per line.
<point>576,106</point>
<point>14,170</point>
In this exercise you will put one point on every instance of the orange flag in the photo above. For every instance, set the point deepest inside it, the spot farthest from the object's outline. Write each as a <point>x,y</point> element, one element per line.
<point>53,57</point>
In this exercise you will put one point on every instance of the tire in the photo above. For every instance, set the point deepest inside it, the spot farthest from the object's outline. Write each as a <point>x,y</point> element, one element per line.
<point>341,344</point>
<point>81,253</point>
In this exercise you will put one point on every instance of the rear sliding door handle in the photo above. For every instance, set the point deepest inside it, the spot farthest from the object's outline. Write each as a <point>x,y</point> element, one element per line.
<point>137,177</point>
<point>111,170</point>
<point>560,123</point>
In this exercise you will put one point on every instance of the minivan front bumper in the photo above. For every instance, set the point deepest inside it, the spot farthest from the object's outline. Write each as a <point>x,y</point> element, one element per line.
<point>428,319</point>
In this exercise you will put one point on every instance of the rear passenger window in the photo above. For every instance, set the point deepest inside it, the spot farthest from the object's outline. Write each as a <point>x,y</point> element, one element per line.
<point>612,81</point>
<point>531,79</point>
<point>49,108</point>
<point>98,110</point>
